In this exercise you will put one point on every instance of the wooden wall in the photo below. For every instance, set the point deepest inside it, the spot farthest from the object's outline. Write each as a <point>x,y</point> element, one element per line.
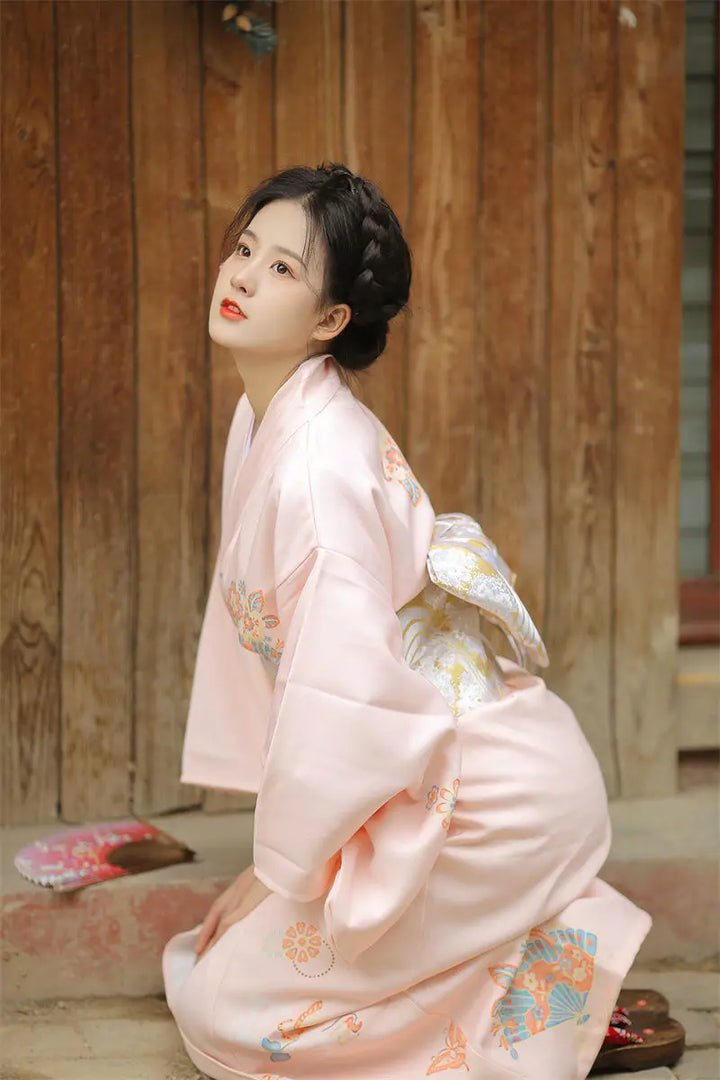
<point>533,151</point>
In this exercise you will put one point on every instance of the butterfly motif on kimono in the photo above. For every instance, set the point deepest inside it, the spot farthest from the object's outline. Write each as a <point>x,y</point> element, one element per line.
<point>453,1056</point>
<point>289,1031</point>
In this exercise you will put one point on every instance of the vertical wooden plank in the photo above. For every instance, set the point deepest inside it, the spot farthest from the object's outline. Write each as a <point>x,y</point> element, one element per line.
<point>377,128</point>
<point>307,84</point>
<point>579,620</point>
<point>29,572</point>
<point>171,389</point>
<point>443,438</point>
<point>512,315</point>
<point>650,178</point>
<point>715,344</point>
<point>238,134</point>
<point>97,407</point>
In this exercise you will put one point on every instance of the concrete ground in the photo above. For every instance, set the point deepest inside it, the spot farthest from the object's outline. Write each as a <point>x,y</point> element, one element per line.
<point>135,1038</point>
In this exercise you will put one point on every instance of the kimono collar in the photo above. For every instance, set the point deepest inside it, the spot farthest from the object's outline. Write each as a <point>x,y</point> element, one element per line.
<point>302,396</point>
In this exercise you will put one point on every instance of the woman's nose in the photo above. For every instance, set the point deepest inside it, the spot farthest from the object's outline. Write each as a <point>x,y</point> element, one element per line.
<point>242,279</point>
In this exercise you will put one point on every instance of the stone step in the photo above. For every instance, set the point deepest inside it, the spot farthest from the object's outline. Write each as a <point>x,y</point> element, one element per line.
<point>664,856</point>
<point>107,939</point>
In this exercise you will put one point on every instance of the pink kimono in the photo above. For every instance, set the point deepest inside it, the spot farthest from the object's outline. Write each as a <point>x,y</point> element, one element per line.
<point>434,904</point>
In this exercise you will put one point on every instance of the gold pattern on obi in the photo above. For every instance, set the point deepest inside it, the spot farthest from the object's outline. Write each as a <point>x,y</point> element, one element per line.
<point>442,627</point>
<point>466,563</point>
<point>443,641</point>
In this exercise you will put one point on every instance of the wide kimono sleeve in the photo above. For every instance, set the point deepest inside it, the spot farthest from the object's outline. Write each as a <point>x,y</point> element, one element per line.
<point>224,740</point>
<point>359,747</point>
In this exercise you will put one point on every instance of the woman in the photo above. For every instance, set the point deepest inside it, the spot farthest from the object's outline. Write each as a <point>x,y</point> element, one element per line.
<point>423,895</point>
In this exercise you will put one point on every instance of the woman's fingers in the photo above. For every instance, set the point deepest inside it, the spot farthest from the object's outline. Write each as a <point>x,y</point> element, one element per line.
<point>206,931</point>
<point>222,924</point>
<point>234,904</point>
<point>211,920</point>
<point>226,920</point>
<point>224,902</point>
<point>202,946</point>
<point>208,936</point>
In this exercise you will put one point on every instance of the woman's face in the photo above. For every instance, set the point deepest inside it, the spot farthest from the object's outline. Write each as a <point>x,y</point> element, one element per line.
<point>266,295</point>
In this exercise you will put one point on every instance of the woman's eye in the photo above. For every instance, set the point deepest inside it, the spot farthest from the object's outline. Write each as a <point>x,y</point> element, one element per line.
<point>282,268</point>
<point>242,249</point>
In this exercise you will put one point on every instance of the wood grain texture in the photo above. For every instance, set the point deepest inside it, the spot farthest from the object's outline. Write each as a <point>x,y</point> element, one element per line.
<point>443,438</point>
<point>579,615</point>
<point>29,564</point>
<point>238,134</point>
<point>377,130</point>
<point>308,113</point>
<point>650,177</point>
<point>172,413</point>
<point>715,343</point>
<point>512,312</point>
<point>97,449</point>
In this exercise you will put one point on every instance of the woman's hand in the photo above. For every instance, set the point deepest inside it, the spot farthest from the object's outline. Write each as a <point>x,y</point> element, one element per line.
<point>238,900</point>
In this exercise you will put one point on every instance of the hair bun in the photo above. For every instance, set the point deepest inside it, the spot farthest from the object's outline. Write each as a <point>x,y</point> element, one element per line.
<point>360,344</point>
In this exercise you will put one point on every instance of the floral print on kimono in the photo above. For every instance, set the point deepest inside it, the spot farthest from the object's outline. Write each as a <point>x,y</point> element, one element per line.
<point>395,467</point>
<point>549,987</point>
<point>443,801</point>
<point>248,614</point>
<point>311,955</point>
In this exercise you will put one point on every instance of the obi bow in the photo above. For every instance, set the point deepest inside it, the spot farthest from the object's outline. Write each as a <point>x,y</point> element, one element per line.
<point>442,627</point>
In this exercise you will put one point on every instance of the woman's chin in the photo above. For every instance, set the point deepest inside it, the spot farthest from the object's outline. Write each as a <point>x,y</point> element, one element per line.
<point>229,337</point>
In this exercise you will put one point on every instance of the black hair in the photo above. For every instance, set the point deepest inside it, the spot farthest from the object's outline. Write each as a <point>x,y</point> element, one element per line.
<point>368,262</point>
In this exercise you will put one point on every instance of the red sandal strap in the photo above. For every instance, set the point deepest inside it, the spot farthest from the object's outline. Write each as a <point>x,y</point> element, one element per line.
<point>621,1036</point>
<point>620,1018</point>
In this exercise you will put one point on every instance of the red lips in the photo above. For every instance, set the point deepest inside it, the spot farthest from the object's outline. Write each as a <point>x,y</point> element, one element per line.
<point>230,310</point>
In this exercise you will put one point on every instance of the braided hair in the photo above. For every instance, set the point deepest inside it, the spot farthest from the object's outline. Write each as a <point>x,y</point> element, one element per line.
<point>367,264</point>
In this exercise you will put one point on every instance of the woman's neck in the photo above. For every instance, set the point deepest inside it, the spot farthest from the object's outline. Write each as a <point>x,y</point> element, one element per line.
<point>262,380</point>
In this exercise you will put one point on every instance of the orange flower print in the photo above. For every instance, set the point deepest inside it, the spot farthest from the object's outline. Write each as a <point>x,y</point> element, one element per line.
<point>432,797</point>
<point>453,1055</point>
<point>252,625</point>
<point>301,941</point>
<point>395,467</point>
<point>447,801</point>
<point>577,967</point>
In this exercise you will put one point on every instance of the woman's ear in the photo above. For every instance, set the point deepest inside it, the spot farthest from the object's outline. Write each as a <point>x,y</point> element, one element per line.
<point>333,322</point>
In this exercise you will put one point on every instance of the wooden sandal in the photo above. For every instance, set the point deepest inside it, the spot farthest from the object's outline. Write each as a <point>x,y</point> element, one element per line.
<point>646,1008</point>
<point>626,1051</point>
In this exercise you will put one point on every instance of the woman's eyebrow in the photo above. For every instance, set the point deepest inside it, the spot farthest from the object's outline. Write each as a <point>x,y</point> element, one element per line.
<point>282,250</point>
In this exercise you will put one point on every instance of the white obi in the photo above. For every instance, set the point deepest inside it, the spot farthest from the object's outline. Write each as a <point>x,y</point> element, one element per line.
<point>442,627</point>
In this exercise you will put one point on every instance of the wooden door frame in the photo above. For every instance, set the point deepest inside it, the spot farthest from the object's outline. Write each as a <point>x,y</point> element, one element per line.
<point>700,598</point>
